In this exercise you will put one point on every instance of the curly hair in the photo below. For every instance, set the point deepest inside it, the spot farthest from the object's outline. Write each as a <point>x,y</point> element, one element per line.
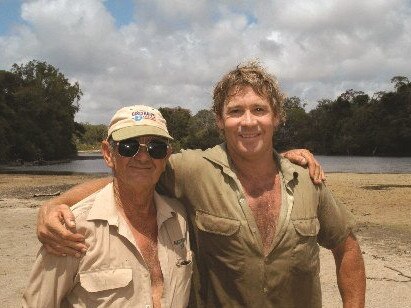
<point>251,74</point>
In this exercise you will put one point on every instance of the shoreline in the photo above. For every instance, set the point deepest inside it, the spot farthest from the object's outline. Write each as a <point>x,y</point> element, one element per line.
<point>9,169</point>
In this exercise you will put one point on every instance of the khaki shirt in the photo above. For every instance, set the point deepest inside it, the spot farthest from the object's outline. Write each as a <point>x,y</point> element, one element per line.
<point>232,269</point>
<point>113,273</point>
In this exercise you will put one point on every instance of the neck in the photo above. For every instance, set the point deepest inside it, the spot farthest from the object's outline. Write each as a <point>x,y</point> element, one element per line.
<point>254,166</point>
<point>134,202</point>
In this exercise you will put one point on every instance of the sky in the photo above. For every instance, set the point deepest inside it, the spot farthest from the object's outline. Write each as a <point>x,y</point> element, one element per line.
<point>169,53</point>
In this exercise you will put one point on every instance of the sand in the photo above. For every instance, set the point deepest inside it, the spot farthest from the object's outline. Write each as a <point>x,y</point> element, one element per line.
<point>381,203</point>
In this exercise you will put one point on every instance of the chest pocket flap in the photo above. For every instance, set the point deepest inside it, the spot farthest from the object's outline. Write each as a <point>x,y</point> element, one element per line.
<point>307,227</point>
<point>106,279</point>
<point>214,224</point>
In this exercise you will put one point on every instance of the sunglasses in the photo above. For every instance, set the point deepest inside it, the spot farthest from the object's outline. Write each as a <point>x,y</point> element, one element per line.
<point>157,149</point>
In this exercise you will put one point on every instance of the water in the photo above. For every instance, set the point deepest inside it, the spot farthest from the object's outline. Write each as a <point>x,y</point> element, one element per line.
<point>95,164</point>
<point>360,164</point>
<point>87,163</point>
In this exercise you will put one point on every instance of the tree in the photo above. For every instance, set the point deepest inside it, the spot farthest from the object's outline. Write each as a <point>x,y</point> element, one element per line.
<point>8,83</point>
<point>177,123</point>
<point>400,82</point>
<point>293,133</point>
<point>89,136</point>
<point>203,131</point>
<point>41,104</point>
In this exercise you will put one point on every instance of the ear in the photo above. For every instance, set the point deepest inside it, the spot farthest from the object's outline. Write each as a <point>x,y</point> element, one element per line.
<point>220,122</point>
<point>107,154</point>
<point>276,121</point>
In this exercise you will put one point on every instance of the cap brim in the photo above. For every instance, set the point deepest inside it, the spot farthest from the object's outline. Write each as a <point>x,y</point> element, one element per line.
<point>137,131</point>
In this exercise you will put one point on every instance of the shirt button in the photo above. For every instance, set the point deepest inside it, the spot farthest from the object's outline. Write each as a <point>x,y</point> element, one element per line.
<point>241,200</point>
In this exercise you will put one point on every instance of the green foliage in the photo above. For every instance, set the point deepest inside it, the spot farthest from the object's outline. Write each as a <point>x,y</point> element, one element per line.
<point>292,134</point>
<point>353,124</point>
<point>191,132</point>
<point>89,136</point>
<point>37,105</point>
<point>177,121</point>
<point>203,131</point>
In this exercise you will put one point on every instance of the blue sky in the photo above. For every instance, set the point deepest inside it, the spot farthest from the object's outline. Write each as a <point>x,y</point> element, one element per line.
<point>122,11</point>
<point>169,53</point>
<point>9,15</point>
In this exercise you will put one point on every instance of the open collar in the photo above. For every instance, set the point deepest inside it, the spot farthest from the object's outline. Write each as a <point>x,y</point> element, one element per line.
<point>104,207</point>
<point>219,156</point>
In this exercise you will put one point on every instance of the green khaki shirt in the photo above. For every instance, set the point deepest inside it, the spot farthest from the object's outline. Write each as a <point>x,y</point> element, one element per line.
<point>231,269</point>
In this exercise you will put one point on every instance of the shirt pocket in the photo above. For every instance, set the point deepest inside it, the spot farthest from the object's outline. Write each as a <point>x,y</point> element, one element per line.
<point>105,280</point>
<point>305,256</point>
<point>220,243</point>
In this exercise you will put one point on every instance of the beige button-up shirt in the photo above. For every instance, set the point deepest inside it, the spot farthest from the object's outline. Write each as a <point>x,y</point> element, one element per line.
<point>113,273</point>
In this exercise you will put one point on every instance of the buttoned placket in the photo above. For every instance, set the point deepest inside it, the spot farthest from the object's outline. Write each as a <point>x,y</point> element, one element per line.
<point>245,208</point>
<point>287,202</point>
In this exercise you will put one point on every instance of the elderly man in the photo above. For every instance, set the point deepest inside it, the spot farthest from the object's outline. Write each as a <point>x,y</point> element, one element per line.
<point>257,218</point>
<point>139,254</point>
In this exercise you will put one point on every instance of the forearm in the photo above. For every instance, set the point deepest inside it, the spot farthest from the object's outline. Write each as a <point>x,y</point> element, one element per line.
<point>79,192</point>
<point>350,273</point>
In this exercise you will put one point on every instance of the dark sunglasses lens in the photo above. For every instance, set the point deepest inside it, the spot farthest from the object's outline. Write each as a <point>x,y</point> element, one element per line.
<point>157,149</point>
<point>128,148</point>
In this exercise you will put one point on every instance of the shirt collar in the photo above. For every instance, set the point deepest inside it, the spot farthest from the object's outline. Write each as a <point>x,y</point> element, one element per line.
<point>164,210</point>
<point>219,155</point>
<point>104,207</point>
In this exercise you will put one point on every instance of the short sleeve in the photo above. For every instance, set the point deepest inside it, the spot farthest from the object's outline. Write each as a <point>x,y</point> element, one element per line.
<point>336,221</point>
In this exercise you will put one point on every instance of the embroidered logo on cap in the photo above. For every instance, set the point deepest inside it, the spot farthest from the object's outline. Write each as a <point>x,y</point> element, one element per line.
<point>140,115</point>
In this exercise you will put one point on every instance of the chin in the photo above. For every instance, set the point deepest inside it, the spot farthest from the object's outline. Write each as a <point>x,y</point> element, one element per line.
<point>250,144</point>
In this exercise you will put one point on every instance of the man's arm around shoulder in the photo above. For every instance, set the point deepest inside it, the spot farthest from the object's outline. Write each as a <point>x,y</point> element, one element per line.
<point>56,227</point>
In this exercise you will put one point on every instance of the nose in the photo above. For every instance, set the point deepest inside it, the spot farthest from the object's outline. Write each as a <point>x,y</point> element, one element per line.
<point>142,153</point>
<point>248,118</point>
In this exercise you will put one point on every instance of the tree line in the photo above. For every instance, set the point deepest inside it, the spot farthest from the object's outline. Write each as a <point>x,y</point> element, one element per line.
<point>352,124</point>
<point>38,105</point>
<point>37,108</point>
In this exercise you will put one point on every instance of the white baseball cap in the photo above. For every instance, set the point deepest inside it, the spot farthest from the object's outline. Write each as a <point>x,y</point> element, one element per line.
<point>137,120</point>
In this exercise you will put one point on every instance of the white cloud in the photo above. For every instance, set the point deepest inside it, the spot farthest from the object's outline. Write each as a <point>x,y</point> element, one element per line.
<point>173,53</point>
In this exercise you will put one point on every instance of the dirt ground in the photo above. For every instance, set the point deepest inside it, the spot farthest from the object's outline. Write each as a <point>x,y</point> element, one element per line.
<point>381,204</point>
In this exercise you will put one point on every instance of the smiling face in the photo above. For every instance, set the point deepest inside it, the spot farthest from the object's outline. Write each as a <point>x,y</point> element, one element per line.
<point>141,168</point>
<point>249,123</point>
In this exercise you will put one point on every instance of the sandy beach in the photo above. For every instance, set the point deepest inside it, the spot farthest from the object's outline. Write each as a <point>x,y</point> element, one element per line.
<point>381,203</point>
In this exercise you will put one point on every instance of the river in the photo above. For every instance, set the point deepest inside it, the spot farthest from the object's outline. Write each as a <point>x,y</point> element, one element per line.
<point>92,163</point>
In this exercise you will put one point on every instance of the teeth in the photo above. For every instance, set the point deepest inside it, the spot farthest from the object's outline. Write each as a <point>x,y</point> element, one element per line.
<point>249,135</point>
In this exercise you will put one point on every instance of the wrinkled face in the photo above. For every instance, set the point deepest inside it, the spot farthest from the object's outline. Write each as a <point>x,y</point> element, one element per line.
<point>141,169</point>
<point>249,123</point>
